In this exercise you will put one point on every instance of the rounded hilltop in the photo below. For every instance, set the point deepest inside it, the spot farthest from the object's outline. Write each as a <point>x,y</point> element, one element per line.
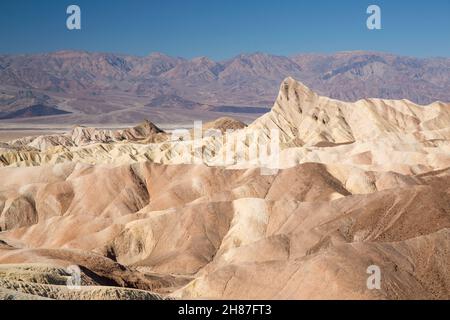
<point>224,123</point>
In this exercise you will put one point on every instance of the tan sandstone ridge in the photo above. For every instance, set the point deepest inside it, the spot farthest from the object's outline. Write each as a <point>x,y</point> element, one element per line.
<point>358,184</point>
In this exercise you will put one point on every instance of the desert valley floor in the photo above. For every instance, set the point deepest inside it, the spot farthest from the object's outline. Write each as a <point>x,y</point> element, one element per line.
<point>357,184</point>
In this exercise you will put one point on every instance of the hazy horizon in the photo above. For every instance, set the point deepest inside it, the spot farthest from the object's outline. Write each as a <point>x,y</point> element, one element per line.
<point>331,53</point>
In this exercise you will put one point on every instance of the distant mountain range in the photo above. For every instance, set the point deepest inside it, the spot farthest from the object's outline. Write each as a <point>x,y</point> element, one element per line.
<point>104,87</point>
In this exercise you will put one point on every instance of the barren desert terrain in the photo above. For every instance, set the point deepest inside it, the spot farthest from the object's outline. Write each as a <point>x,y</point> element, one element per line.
<point>145,215</point>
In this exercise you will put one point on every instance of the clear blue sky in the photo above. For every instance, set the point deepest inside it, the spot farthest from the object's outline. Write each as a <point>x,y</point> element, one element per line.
<point>223,28</point>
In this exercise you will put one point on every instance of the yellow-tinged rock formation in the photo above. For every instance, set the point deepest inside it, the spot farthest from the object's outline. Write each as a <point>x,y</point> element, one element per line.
<point>359,184</point>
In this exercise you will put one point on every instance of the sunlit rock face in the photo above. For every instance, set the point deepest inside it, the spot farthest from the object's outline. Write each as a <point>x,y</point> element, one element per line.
<point>356,185</point>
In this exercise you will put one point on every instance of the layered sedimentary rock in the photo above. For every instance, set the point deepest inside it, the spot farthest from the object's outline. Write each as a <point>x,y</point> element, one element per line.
<point>357,185</point>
